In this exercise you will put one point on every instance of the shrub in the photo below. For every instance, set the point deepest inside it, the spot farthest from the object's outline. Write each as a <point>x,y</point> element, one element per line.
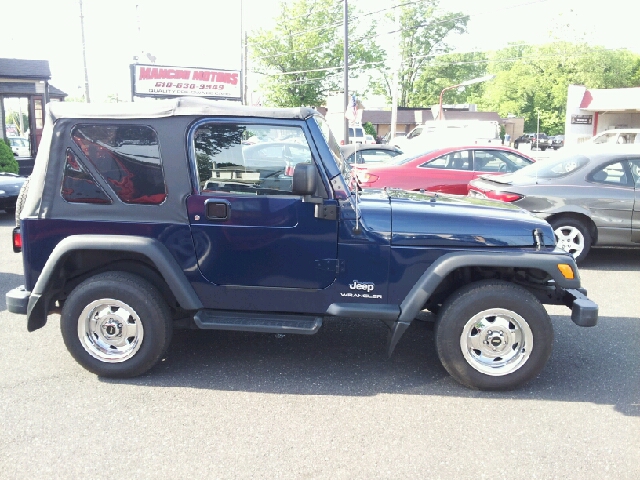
<point>8,162</point>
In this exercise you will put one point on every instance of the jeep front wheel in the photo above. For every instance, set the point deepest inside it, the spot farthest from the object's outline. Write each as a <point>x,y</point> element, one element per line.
<point>493,335</point>
<point>116,324</point>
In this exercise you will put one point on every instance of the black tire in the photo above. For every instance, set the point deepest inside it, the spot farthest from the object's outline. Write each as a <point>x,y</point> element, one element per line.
<point>508,304</point>
<point>566,224</point>
<point>22,196</point>
<point>114,289</point>
<point>543,148</point>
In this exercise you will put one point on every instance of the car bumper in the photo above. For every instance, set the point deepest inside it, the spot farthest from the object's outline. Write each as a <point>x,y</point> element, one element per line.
<point>18,300</point>
<point>8,201</point>
<point>584,312</point>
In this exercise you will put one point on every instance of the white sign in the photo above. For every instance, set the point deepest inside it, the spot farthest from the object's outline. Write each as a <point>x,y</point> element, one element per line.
<point>162,81</point>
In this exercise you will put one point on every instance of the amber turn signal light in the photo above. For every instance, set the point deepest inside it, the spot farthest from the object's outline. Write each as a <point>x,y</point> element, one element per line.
<point>566,271</point>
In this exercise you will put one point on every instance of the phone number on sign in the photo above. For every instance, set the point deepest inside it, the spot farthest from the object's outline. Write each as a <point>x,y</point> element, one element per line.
<point>190,86</point>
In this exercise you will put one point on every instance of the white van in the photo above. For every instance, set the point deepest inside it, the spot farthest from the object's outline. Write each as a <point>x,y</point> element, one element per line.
<point>449,132</point>
<point>356,135</point>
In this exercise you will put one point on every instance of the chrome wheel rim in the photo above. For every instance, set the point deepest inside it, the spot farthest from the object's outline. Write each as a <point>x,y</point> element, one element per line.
<point>496,342</point>
<point>110,330</point>
<point>570,239</point>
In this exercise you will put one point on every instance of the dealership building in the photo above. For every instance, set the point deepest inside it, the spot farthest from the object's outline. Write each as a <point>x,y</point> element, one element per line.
<point>591,111</point>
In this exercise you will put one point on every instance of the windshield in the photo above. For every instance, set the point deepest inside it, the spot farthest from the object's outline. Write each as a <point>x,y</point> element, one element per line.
<point>555,168</point>
<point>331,140</point>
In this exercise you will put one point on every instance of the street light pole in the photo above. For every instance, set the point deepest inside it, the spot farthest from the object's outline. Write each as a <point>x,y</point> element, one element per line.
<point>463,84</point>
<point>84,58</point>
<point>345,74</point>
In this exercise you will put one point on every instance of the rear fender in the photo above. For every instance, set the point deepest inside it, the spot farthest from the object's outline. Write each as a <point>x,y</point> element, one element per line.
<point>152,249</point>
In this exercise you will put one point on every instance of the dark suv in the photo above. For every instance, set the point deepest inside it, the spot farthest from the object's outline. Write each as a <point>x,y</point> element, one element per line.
<point>210,215</point>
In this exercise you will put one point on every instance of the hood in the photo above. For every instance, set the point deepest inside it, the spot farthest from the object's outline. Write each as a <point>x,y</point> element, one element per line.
<point>10,184</point>
<point>428,219</point>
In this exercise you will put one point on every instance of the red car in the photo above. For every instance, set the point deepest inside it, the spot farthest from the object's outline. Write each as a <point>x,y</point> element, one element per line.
<point>447,170</point>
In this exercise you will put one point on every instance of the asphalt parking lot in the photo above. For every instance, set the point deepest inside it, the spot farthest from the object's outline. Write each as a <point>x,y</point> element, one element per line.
<point>242,405</point>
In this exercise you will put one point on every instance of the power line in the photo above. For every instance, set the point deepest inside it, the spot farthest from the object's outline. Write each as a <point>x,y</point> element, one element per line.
<point>463,16</point>
<point>401,29</point>
<point>515,59</point>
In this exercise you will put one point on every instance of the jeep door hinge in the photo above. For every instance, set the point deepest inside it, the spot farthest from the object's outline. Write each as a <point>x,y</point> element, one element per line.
<point>331,265</point>
<point>326,212</point>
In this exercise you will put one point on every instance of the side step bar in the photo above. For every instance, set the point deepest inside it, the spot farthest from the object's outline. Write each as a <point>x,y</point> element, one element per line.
<point>257,322</point>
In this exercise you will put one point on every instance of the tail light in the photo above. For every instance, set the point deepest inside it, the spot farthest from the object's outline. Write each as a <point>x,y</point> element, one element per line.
<point>341,142</point>
<point>366,177</point>
<point>17,240</point>
<point>288,170</point>
<point>503,196</point>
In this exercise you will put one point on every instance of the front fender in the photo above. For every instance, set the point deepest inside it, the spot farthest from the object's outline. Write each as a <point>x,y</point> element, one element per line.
<point>438,271</point>
<point>152,249</point>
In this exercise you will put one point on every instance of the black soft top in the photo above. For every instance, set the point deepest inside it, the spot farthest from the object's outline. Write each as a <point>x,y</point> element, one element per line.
<point>185,106</point>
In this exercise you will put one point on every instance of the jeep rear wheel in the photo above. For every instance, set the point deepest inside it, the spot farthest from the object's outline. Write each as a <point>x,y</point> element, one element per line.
<point>493,335</point>
<point>116,324</point>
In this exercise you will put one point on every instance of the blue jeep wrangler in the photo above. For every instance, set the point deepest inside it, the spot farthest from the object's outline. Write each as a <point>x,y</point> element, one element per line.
<point>199,214</point>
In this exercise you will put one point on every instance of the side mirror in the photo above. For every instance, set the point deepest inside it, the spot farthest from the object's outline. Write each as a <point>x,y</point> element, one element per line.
<point>304,179</point>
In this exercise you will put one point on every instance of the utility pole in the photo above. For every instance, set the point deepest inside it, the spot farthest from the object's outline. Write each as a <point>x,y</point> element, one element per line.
<point>246,68</point>
<point>84,58</point>
<point>345,77</point>
<point>394,81</point>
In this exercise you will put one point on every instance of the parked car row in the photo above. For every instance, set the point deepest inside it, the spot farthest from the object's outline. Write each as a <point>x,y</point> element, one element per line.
<point>590,196</point>
<point>445,170</point>
<point>539,141</point>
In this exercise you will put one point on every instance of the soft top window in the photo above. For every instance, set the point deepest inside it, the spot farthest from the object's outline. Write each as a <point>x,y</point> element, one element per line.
<point>128,157</point>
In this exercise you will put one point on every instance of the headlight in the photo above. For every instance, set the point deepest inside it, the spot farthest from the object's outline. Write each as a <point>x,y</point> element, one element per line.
<point>2,192</point>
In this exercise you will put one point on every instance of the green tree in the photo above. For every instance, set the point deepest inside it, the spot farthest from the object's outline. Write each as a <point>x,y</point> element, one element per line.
<point>308,40</point>
<point>532,80</point>
<point>8,162</point>
<point>446,71</point>
<point>423,36</point>
<point>369,129</point>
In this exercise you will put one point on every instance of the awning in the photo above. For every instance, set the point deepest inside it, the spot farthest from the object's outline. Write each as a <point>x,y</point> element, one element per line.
<point>611,100</point>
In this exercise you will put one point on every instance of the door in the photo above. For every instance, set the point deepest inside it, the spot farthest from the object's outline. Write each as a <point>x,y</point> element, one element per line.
<point>247,226</point>
<point>634,163</point>
<point>611,202</point>
<point>449,173</point>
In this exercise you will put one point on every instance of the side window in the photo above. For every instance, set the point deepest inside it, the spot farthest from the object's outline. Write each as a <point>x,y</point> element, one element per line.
<point>78,185</point>
<point>128,157</point>
<point>634,165</point>
<point>611,174</point>
<point>490,161</point>
<point>249,159</point>
<point>373,156</point>
<point>451,161</point>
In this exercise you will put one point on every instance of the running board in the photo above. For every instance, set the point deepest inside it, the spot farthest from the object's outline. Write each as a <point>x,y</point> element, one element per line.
<point>257,322</point>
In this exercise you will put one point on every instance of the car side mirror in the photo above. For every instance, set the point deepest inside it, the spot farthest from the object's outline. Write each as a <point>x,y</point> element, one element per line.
<point>304,179</point>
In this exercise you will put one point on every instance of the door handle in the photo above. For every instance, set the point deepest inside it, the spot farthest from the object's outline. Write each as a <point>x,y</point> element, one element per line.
<point>217,209</point>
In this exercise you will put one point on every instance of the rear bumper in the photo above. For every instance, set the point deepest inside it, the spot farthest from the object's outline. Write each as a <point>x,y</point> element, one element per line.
<point>584,312</point>
<point>18,300</point>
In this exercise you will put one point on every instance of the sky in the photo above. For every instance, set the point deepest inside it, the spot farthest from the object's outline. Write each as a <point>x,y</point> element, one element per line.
<point>208,34</point>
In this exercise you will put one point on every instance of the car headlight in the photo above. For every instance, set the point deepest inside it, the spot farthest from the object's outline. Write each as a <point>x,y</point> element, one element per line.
<point>2,192</point>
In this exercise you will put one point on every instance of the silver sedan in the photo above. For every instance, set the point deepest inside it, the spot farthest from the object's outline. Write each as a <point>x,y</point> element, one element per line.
<point>590,197</point>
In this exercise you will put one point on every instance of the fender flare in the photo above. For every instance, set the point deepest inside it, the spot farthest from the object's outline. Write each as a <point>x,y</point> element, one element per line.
<point>443,266</point>
<point>150,248</point>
